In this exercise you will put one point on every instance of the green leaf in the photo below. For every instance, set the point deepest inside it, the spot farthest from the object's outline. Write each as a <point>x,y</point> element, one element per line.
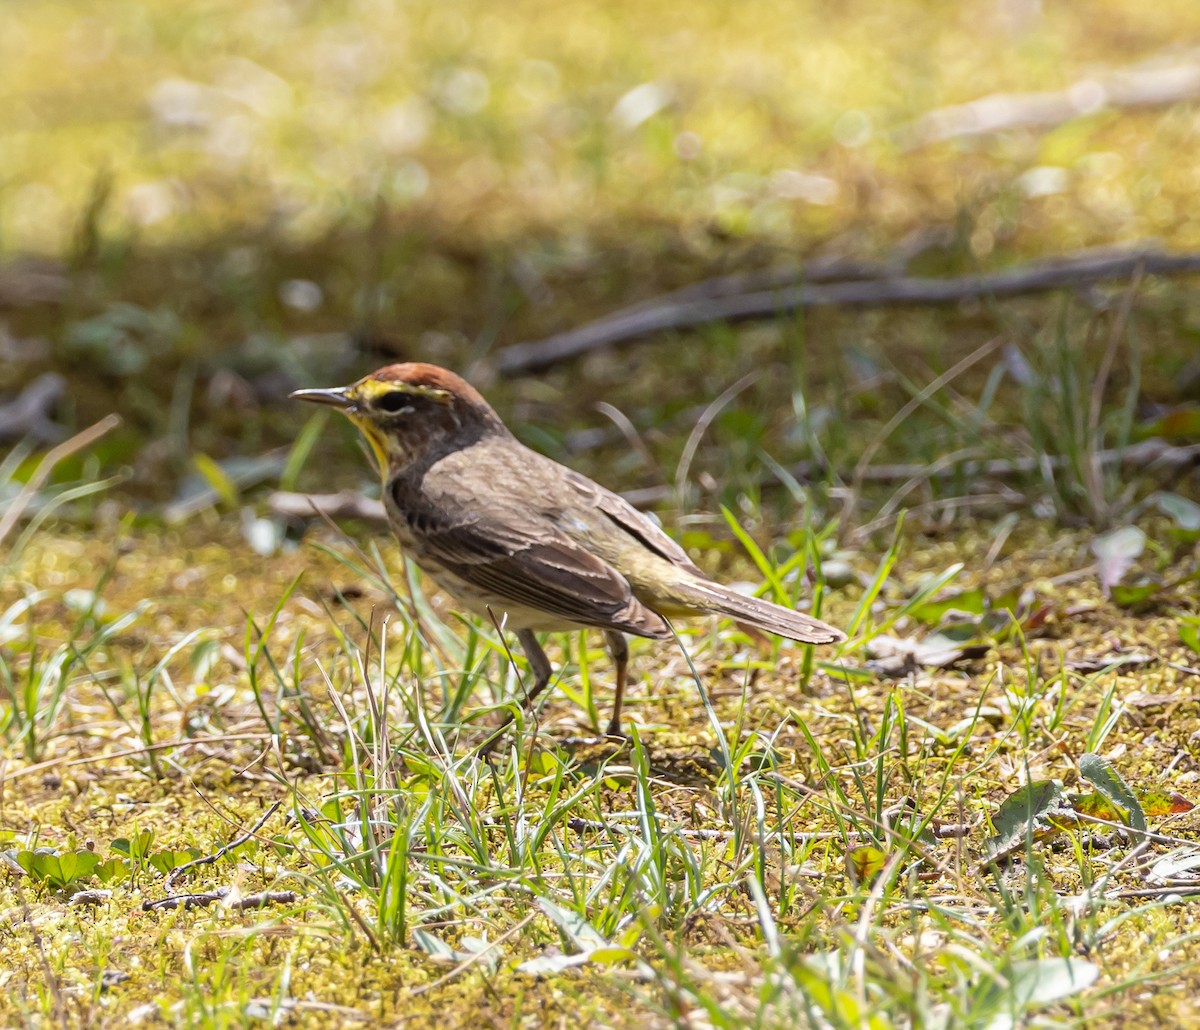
<point>911,828</point>
<point>302,448</point>
<point>77,865</point>
<point>1189,630</point>
<point>630,935</point>
<point>610,956</point>
<point>1131,595</point>
<point>973,602</point>
<point>1182,423</point>
<point>165,861</point>
<point>26,860</point>
<point>1026,812</point>
<point>112,870</point>
<point>864,863</point>
<point>582,934</point>
<point>1033,983</point>
<point>216,478</point>
<point>58,871</point>
<point>543,763</point>
<point>436,948</point>
<point>47,867</point>
<point>1184,512</point>
<point>1105,779</point>
<point>135,848</point>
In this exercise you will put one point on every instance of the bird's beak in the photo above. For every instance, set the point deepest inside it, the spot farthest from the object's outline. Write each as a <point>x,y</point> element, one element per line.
<point>346,398</point>
<point>338,398</point>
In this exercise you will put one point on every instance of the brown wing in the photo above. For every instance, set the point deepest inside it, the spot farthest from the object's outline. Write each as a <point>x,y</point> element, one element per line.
<point>504,548</point>
<point>636,523</point>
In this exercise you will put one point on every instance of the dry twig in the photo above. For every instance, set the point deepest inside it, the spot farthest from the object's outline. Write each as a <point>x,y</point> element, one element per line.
<point>684,310</point>
<point>1146,455</point>
<point>205,898</point>
<point>178,871</point>
<point>1155,85</point>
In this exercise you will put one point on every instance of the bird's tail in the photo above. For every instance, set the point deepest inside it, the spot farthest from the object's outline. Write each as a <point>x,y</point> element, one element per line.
<point>761,614</point>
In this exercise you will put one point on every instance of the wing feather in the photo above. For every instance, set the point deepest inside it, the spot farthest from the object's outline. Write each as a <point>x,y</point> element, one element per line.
<point>636,523</point>
<point>515,554</point>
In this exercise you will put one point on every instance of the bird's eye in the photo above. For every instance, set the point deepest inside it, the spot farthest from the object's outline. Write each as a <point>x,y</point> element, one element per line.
<point>394,403</point>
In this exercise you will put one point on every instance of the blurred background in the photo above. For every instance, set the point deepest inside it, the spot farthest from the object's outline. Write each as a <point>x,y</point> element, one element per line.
<point>205,204</point>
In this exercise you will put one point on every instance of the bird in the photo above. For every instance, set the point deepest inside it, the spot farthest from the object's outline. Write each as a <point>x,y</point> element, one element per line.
<point>512,534</point>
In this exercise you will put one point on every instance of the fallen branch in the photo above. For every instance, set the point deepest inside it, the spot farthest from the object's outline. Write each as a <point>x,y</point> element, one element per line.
<point>1146,86</point>
<point>817,270</point>
<point>238,903</point>
<point>1147,455</point>
<point>28,414</point>
<point>346,504</point>
<point>26,283</point>
<point>200,900</point>
<point>676,311</point>
<point>941,831</point>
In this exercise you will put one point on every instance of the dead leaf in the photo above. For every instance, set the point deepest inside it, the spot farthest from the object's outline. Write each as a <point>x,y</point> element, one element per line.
<point>1115,552</point>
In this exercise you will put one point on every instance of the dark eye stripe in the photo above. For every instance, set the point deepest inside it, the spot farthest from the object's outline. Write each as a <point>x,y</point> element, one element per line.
<point>394,403</point>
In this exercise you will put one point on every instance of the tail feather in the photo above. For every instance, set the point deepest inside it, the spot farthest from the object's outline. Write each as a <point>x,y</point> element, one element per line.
<point>762,614</point>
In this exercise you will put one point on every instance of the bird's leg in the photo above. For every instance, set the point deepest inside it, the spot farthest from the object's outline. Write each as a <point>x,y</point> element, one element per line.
<point>539,664</point>
<point>618,647</point>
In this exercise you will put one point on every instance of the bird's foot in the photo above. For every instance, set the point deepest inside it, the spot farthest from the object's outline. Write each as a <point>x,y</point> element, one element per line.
<point>609,739</point>
<point>485,749</point>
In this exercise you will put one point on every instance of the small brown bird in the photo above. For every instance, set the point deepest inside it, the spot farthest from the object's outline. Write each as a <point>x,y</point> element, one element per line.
<point>501,527</point>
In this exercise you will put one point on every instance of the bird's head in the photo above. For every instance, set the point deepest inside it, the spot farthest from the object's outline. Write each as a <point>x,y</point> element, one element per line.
<point>412,412</point>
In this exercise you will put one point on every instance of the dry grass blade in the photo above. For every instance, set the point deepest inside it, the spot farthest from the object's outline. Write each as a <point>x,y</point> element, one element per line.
<point>701,427</point>
<point>108,756</point>
<point>78,442</point>
<point>180,870</point>
<point>476,958</point>
<point>894,423</point>
<point>1094,469</point>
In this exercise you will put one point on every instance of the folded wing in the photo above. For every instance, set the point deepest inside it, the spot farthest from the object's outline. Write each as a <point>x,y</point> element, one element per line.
<point>506,552</point>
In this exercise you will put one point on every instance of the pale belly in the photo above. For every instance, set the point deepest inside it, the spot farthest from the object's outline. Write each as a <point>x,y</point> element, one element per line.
<point>509,614</point>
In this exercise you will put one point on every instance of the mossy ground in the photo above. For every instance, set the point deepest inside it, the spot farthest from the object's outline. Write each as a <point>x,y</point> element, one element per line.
<point>215,962</point>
